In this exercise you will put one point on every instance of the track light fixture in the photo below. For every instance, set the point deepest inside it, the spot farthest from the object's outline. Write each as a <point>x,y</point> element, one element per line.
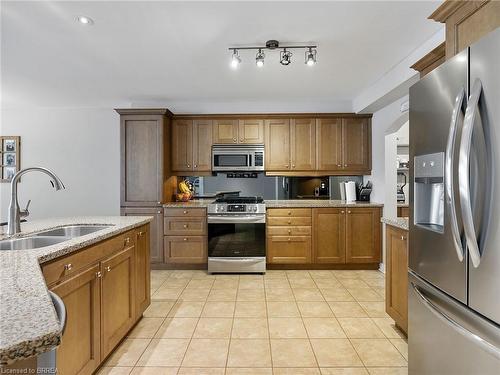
<point>310,57</point>
<point>285,57</point>
<point>235,59</point>
<point>259,58</point>
<point>285,54</point>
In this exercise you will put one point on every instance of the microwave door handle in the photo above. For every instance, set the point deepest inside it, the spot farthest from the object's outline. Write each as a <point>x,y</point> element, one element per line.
<point>449,182</point>
<point>464,174</point>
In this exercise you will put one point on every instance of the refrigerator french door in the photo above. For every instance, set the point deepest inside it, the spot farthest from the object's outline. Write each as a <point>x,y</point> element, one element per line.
<point>454,259</point>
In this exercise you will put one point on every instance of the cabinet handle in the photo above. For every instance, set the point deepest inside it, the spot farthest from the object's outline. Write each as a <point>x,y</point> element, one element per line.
<point>184,239</point>
<point>339,165</point>
<point>98,274</point>
<point>289,222</point>
<point>288,239</point>
<point>241,139</point>
<point>127,240</point>
<point>289,213</point>
<point>345,165</point>
<point>108,268</point>
<point>403,238</point>
<point>293,165</point>
<point>184,212</point>
<point>158,212</point>
<point>286,165</point>
<point>342,212</point>
<point>68,267</point>
<point>234,140</point>
<point>195,166</point>
<point>141,233</point>
<point>185,226</point>
<point>289,231</point>
<point>348,212</point>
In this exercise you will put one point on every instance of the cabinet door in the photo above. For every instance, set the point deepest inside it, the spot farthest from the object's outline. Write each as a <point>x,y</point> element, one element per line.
<point>186,249</point>
<point>79,352</point>
<point>182,145</point>
<point>363,238</point>
<point>117,297</point>
<point>251,131</point>
<point>356,144</point>
<point>288,249</point>
<point>141,159</point>
<point>396,279</point>
<point>142,270</point>
<point>329,235</point>
<point>277,145</point>
<point>225,131</point>
<point>202,145</point>
<point>155,230</point>
<point>329,144</point>
<point>303,144</point>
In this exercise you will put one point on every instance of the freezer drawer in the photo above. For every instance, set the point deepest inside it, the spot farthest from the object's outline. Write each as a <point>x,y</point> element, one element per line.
<point>444,337</point>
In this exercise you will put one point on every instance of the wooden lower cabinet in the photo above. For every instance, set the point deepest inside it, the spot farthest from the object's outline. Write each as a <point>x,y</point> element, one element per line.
<point>363,235</point>
<point>403,211</point>
<point>117,298</point>
<point>396,276</point>
<point>289,249</point>
<point>329,235</point>
<point>80,349</point>
<point>104,297</point>
<point>186,249</point>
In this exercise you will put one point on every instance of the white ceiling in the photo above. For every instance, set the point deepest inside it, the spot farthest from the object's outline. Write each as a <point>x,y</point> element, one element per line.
<point>175,54</point>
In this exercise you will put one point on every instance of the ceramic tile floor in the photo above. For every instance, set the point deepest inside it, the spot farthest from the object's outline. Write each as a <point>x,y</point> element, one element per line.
<point>285,322</point>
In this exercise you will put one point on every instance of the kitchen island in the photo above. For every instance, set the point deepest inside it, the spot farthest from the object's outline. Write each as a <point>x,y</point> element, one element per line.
<point>29,325</point>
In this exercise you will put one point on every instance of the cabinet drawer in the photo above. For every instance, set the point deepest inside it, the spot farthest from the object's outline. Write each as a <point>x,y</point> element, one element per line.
<point>288,221</point>
<point>289,249</point>
<point>185,249</point>
<point>289,231</point>
<point>186,212</point>
<point>285,212</point>
<point>69,265</point>
<point>185,226</point>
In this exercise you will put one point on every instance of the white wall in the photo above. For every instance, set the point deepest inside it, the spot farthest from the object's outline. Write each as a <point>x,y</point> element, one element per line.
<point>81,146</point>
<point>382,120</point>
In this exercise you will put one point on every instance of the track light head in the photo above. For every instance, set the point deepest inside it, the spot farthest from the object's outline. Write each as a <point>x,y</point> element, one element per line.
<point>259,58</point>
<point>235,59</point>
<point>310,57</point>
<point>285,57</point>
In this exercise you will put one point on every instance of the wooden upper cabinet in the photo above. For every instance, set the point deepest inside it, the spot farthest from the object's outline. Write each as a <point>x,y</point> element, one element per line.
<point>118,297</point>
<point>277,145</point>
<point>250,131</point>
<point>202,145</point>
<point>225,131</point>
<point>396,279</point>
<point>329,235</point>
<point>363,237</point>
<point>142,142</point>
<point>466,22</point>
<point>356,135</point>
<point>182,145</point>
<point>79,352</point>
<point>303,144</point>
<point>329,144</point>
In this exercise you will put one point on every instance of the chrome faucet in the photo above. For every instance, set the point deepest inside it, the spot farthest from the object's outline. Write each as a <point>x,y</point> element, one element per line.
<point>15,214</point>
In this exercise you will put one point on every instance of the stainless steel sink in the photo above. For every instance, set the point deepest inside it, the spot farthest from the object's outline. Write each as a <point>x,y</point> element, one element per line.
<point>73,231</point>
<point>32,242</point>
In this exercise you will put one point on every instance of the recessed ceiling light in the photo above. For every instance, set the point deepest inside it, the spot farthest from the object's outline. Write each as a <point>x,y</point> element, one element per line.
<point>84,20</point>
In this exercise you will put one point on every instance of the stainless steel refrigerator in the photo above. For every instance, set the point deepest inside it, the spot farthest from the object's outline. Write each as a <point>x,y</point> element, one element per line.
<point>454,253</point>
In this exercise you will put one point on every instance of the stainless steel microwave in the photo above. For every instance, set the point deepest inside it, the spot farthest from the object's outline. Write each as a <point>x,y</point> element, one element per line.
<point>228,158</point>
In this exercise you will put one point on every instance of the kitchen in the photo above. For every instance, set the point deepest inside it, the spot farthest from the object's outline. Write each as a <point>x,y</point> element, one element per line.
<point>210,232</point>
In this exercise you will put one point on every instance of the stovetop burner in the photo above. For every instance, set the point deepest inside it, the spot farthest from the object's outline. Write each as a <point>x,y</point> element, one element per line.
<point>239,200</point>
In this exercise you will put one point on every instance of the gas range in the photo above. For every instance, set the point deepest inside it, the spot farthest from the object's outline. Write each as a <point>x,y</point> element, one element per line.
<point>237,235</point>
<point>237,206</point>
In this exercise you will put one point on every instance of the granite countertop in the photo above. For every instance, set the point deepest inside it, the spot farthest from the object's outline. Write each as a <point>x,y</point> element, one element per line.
<point>403,205</point>
<point>195,203</point>
<point>399,222</point>
<point>306,203</point>
<point>28,322</point>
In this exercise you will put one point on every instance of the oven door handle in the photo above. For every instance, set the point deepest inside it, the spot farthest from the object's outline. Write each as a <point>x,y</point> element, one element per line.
<point>236,219</point>
<point>239,260</point>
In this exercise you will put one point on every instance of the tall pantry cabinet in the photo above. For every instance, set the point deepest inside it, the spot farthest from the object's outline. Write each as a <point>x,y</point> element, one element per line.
<point>145,179</point>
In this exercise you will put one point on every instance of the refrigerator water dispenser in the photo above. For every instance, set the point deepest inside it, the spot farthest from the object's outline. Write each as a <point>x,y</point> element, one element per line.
<point>429,191</point>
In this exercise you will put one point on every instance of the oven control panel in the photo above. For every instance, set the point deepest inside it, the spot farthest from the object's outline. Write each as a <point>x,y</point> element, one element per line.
<point>235,209</point>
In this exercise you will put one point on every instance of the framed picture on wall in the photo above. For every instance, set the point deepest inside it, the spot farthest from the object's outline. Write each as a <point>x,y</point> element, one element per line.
<point>10,155</point>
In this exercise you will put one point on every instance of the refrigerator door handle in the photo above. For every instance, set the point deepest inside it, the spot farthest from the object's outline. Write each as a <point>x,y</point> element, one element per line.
<point>485,345</point>
<point>464,175</point>
<point>449,183</point>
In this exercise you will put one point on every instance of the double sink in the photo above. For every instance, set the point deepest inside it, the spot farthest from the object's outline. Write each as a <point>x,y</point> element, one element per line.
<point>51,237</point>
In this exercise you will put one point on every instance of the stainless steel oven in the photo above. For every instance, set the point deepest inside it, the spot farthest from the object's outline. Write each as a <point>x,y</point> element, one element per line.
<point>229,158</point>
<point>236,237</point>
